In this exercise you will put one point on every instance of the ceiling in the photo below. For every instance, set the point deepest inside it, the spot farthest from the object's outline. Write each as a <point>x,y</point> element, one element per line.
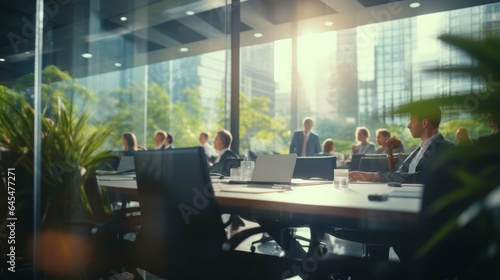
<point>159,28</point>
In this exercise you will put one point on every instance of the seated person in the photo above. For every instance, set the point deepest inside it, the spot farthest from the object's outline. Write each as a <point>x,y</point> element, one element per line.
<point>423,125</point>
<point>463,137</point>
<point>160,137</point>
<point>364,146</point>
<point>167,144</point>
<point>209,150</point>
<point>222,144</point>
<point>129,143</point>
<point>329,150</point>
<point>382,136</point>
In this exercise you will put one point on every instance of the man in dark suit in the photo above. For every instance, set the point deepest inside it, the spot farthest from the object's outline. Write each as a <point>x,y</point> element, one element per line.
<point>423,125</point>
<point>222,144</point>
<point>304,142</point>
<point>169,140</point>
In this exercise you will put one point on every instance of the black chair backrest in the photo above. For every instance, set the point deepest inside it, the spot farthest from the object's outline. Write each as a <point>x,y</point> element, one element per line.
<point>315,167</point>
<point>230,163</point>
<point>182,233</point>
<point>355,159</point>
<point>373,164</point>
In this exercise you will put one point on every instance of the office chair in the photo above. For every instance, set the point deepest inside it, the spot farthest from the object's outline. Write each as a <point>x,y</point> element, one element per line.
<point>182,235</point>
<point>373,163</point>
<point>319,167</point>
<point>376,245</point>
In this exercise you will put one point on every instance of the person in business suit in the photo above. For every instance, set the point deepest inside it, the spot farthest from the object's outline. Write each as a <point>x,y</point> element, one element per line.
<point>222,144</point>
<point>423,125</point>
<point>169,140</point>
<point>305,142</point>
<point>160,137</point>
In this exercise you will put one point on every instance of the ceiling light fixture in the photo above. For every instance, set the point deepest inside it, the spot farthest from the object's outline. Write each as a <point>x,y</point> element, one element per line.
<point>258,35</point>
<point>123,18</point>
<point>118,64</point>
<point>2,59</point>
<point>86,55</point>
<point>189,13</point>
<point>183,49</point>
<point>415,5</point>
<point>27,53</point>
<point>328,23</point>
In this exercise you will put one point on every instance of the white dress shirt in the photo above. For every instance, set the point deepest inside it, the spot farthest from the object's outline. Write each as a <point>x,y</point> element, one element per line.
<point>423,147</point>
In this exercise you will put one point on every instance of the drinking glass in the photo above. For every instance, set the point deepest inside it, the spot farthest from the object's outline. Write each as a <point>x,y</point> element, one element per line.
<point>341,178</point>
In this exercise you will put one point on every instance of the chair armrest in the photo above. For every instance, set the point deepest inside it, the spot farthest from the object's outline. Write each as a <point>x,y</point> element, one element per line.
<point>239,237</point>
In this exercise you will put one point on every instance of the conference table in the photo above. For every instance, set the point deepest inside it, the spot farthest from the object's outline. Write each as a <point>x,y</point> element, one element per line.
<point>320,204</point>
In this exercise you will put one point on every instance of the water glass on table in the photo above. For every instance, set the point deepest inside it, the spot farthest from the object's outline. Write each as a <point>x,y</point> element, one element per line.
<point>235,174</point>
<point>247,168</point>
<point>341,178</point>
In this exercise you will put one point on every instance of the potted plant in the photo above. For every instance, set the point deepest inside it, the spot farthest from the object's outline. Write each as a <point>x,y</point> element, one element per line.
<point>70,154</point>
<point>459,233</point>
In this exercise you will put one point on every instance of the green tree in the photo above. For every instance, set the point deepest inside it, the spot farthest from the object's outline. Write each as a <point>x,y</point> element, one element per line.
<point>188,118</point>
<point>477,127</point>
<point>259,131</point>
<point>183,118</point>
<point>56,85</point>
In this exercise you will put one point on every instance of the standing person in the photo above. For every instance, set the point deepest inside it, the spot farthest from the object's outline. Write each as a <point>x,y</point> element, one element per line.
<point>222,144</point>
<point>169,140</point>
<point>209,150</point>
<point>364,146</point>
<point>160,137</point>
<point>423,125</point>
<point>382,135</point>
<point>305,142</point>
<point>129,143</point>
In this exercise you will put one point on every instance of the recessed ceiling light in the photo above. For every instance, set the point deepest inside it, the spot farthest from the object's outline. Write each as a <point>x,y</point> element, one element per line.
<point>183,49</point>
<point>123,18</point>
<point>189,13</point>
<point>2,59</point>
<point>257,35</point>
<point>26,52</point>
<point>86,55</point>
<point>415,5</point>
<point>328,23</point>
<point>118,64</point>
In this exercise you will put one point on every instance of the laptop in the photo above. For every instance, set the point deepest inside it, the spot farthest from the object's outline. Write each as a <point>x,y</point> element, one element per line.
<point>126,165</point>
<point>276,170</point>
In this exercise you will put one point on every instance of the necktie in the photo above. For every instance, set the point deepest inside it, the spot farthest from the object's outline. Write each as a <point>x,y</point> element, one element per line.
<point>304,146</point>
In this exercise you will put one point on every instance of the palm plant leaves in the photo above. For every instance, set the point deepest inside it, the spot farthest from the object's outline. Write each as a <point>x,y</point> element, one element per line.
<point>69,147</point>
<point>473,196</point>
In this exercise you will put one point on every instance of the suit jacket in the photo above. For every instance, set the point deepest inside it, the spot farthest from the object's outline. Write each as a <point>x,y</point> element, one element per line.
<point>169,147</point>
<point>312,147</point>
<point>437,147</point>
<point>219,166</point>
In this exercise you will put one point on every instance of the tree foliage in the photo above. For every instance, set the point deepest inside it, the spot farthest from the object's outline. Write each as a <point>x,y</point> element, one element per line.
<point>259,131</point>
<point>56,85</point>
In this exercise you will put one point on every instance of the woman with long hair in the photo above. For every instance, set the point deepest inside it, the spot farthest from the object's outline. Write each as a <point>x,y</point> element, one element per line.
<point>129,143</point>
